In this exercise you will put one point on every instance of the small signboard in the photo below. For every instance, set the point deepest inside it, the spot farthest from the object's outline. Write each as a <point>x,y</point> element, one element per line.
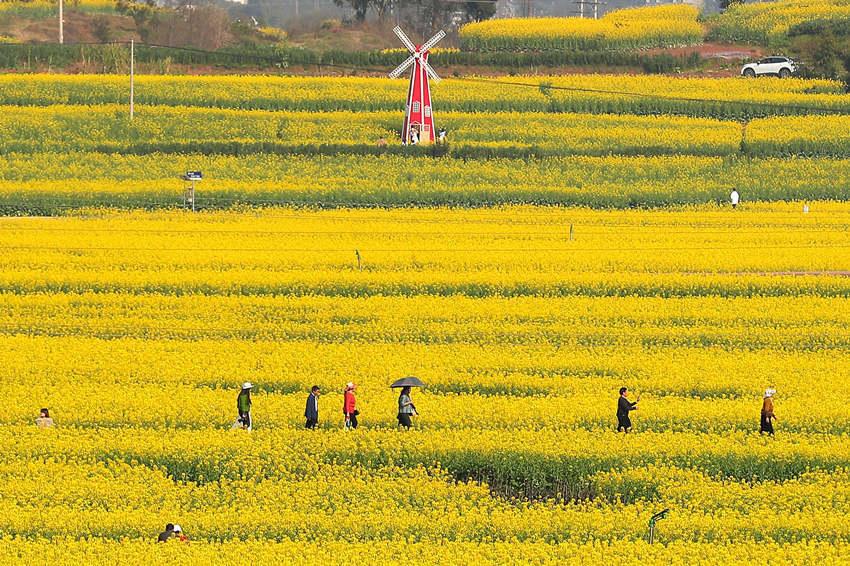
<point>194,175</point>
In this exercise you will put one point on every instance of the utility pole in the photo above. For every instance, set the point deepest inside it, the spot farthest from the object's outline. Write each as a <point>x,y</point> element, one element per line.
<point>61,23</point>
<point>594,3</point>
<point>132,77</point>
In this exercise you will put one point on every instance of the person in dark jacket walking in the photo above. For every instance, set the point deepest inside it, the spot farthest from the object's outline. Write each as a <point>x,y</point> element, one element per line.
<point>405,408</point>
<point>311,413</point>
<point>624,406</point>
<point>243,405</point>
<point>767,416</point>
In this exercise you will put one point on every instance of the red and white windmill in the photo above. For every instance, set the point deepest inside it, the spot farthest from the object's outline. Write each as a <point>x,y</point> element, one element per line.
<point>418,114</point>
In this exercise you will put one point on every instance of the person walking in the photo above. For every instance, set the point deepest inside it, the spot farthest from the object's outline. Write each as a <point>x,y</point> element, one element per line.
<point>734,197</point>
<point>349,406</point>
<point>44,421</point>
<point>405,408</point>
<point>166,534</point>
<point>767,416</point>
<point>624,406</point>
<point>311,413</point>
<point>243,405</point>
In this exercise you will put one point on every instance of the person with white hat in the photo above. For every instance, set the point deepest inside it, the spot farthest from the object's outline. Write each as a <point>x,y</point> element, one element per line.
<point>243,405</point>
<point>767,416</point>
<point>178,534</point>
<point>349,406</point>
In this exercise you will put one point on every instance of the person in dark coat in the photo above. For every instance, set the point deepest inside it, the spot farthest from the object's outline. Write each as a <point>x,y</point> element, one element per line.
<point>166,534</point>
<point>624,406</point>
<point>311,413</point>
<point>767,416</point>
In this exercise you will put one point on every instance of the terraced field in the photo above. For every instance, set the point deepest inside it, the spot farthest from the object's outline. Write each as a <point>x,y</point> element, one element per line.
<point>564,244</point>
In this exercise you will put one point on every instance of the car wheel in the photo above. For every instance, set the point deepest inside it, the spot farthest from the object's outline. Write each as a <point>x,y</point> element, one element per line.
<point>784,72</point>
<point>749,73</point>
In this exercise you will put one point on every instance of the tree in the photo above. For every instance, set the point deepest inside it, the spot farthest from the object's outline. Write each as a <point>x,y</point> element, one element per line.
<point>360,7</point>
<point>478,11</point>
<point>101,29</point>
<point>826,59</point>
<point>723,4</point>
<point>381,7</point>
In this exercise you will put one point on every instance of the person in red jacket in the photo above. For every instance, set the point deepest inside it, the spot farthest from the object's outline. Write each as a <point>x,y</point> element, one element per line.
<point>349,406</point>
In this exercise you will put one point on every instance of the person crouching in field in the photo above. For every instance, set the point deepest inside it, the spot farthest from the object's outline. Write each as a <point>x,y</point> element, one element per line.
<point>767,416</point>
<point>624,406</point>
<point>165,535</point>
<point>44,421</point>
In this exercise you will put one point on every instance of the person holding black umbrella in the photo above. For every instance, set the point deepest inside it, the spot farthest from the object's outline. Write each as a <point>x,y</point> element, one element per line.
<point>405,407</point>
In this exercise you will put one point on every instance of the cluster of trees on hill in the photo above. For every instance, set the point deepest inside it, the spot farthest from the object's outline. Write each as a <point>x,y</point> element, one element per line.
<point>424,14</point>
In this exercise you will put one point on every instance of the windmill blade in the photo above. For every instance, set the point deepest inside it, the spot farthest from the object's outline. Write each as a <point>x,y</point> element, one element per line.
<point>407,43</point>
<point>400,69</point>
<point>431,73</point>
<point>433,41</point>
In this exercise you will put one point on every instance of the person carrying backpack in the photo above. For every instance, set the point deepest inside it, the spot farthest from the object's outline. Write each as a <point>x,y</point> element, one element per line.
<point>243,405</point>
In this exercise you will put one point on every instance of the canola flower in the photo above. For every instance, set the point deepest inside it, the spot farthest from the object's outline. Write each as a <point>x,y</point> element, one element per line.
<point>49,8</point>
<point>770,22</point>
<point>52,183</point>
<point>814,136</point>
<point>105,128</point>
<point>637,28</point>
<point>736,98</point>
<point>136,328</point>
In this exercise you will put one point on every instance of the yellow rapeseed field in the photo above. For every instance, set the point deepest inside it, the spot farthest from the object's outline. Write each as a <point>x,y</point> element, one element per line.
<point>657,26</point>
<point>769,22</point>
<point>136,329</point>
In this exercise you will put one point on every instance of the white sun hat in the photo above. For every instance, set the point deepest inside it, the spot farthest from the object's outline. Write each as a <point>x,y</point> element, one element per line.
<point>177,529</point>
<point>349,385</point>
<point>769,393</point>
<point>247,385</point>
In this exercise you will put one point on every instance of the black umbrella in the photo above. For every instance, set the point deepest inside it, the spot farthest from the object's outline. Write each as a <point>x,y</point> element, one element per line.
<point>408,381</point>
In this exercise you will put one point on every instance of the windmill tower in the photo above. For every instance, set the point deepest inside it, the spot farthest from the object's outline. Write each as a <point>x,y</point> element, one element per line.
<point>418,114</point>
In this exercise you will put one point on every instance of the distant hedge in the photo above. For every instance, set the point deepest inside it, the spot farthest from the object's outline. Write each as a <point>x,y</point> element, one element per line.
<point>112,56</point>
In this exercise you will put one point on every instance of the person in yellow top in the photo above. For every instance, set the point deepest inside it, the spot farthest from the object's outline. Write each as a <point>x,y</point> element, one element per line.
<point>767,416</point>
<point>44,421</point>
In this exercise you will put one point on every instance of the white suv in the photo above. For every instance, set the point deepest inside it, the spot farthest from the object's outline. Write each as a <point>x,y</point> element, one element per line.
<point>782,66</point>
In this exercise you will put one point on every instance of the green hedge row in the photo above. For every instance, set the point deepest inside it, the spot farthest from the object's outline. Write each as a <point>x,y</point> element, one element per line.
<point>54,55</point>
